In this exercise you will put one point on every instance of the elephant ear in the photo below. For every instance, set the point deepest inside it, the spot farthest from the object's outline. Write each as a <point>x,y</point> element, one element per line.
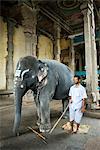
<point>43,71</point>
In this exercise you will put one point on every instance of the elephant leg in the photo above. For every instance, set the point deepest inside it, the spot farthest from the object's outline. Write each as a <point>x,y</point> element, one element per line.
<point>64,105</point>
<point>45,125</point>
<point>38,110</point>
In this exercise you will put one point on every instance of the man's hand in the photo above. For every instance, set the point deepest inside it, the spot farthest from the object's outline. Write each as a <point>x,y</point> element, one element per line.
<point>83,106</point>
<point>70,99</point>
<point>83,109</point>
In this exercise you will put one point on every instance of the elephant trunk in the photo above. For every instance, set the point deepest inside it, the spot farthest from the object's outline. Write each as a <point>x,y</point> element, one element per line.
<point>18,105</point>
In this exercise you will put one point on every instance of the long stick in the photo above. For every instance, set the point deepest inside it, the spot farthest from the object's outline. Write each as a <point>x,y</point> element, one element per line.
<point>58,120</point>
<point>41,136</point>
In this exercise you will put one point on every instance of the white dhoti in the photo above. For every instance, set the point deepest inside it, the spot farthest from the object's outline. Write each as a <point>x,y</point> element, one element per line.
<point>75,114</point>
<point>77,94</point>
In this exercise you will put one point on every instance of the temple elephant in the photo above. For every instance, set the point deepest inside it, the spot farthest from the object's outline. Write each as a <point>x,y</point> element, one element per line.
<point>48,79</point>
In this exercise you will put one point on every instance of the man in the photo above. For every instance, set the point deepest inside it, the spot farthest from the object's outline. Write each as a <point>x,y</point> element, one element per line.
<point>77,96</point>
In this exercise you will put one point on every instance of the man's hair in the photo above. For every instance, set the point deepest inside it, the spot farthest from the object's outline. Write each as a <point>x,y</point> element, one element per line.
<point>76,76</point>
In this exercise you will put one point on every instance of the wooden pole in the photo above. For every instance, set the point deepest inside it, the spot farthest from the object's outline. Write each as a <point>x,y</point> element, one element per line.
<point>58,120</point>
<point>38,134</point>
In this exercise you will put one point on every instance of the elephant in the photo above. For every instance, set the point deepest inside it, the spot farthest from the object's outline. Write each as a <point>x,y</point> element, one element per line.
<point>48,79</point>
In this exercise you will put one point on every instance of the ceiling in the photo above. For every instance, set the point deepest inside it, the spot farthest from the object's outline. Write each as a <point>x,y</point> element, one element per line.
<point>68,11</point>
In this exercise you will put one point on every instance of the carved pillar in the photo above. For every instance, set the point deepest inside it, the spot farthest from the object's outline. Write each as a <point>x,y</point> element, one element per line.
<point>90,49</point>
<point>94,55</point>
<point>99,53</point>
<point>29,23</point>
<point>80,62</point>
<point>10,48</point>
<point>72,55</point>
<point>57,49</point>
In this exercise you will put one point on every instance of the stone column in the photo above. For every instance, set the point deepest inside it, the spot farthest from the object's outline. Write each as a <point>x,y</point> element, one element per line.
<point>29,23</point>
<point>99,52</point>
<point>80,62</point>
<point>94,55</point>
<point>57,49</point>
<point>10,48</point>
<point>90,49</point>
<point>72,56</point>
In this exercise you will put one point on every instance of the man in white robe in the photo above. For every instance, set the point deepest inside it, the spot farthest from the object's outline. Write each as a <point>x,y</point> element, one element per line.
<point>77,96</point>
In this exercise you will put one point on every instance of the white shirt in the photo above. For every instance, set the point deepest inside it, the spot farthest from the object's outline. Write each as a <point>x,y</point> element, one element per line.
<point>77,93</point>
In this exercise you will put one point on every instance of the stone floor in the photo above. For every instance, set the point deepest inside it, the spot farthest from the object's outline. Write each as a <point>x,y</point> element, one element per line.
<point>58,140</point>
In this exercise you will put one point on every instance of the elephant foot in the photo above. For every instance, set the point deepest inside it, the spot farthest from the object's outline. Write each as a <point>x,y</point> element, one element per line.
<point>38,122</point>
<point>16,134</point>
<point>45,128</point>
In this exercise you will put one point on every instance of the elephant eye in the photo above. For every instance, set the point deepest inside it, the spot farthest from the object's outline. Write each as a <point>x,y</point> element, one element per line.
<point>26,76</point>
<point>41,68</point>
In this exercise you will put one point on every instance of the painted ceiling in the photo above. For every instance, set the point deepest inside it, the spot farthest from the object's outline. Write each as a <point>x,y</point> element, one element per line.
<point>68,10</point>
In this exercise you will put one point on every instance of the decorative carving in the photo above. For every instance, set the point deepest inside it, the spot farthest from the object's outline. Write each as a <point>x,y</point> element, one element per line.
<point>57,50</point>
<point>29,23</point>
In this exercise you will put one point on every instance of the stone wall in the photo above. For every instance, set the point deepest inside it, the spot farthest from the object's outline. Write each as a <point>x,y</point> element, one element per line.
<point>3,53</point>
<point>45,47</point>
<point>19,45</point>
<point>65,51</point>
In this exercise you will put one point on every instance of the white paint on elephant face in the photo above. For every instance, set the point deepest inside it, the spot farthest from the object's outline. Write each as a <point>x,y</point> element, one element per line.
<point>22,86</point>
<point>33,76</point>
<point>40,78</point>
<point>42,74</point>
<point>17,73</point>
<point>42,69</point>
<point>25,71</point>
<point>15,82</point>
<point>45,81</point>
<point>18,66</point>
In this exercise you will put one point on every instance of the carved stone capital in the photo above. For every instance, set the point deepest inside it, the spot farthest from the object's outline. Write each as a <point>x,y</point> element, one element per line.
<point>10,25</point>
<point>29,18</point>
<point>85,8</point>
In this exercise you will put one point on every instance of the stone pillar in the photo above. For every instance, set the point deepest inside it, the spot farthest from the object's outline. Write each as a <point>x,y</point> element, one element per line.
<point>90,49</point>
<point>99,53</point>
<point>57,49</point>
<point>94,55</point>
<point>72,56</point>
<point>99,17</point>
<point>80,62</point>
<point>29,23</point>
<point>10,48</point>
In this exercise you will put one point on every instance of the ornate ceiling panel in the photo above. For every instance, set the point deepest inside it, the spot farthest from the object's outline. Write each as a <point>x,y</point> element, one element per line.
<point>67,10</point>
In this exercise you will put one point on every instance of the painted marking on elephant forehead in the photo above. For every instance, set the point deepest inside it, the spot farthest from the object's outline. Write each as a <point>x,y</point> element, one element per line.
<point>22,75</point>
<point>17,73</point>
<point>18,66</point>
